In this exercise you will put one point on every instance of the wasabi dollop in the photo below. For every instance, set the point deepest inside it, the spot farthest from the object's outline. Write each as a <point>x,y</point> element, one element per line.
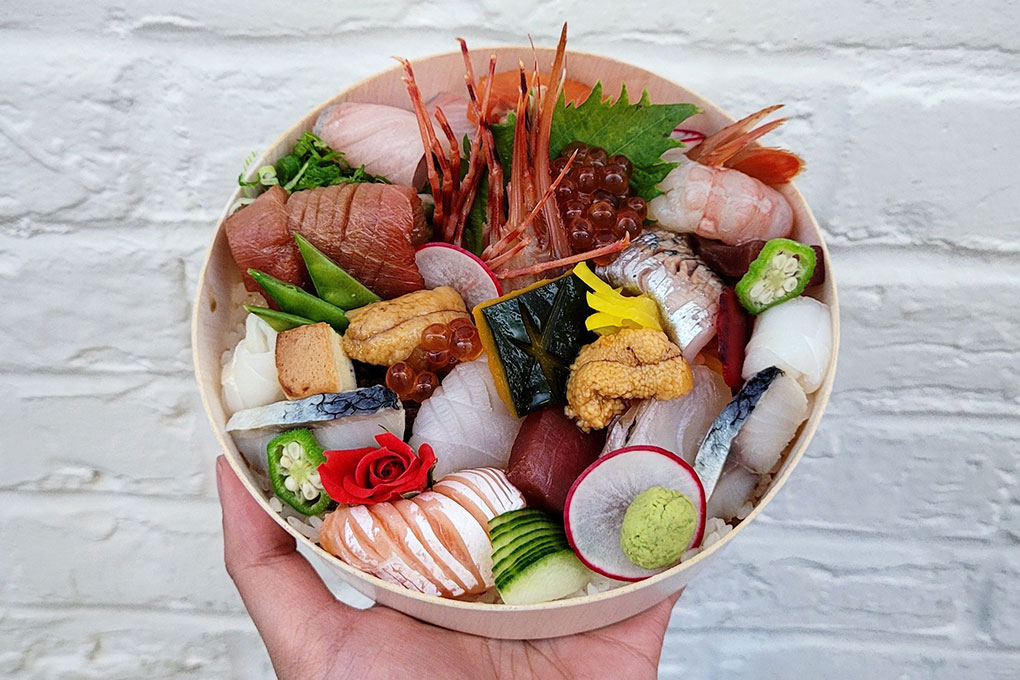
<point>657,527</point>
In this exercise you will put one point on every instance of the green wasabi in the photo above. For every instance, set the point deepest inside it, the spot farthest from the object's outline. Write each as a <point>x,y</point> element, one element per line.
<point>657,527</point>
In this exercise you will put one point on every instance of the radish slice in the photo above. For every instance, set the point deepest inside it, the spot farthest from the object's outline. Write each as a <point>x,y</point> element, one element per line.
<point>598,500</point>
<point>443,264</point>
<point>688,137</point>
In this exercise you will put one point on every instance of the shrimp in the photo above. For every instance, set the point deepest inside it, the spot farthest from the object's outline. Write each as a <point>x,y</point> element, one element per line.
<point>524,233</point>
<point>721,188</point>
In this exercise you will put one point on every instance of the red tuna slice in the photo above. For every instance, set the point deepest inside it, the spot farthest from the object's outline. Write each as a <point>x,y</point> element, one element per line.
<point>368,229</point>
<point>259,239</point>
<point>550,452</point>
<point>734,330</point>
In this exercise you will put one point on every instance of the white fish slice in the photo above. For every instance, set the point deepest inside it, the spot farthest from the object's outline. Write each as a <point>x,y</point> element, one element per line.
<point>735,486</point>
<point>465,422</point>
<point>771,425</point>
<point>796,336</point>
<point>385,139</point>
<point>678,425</point>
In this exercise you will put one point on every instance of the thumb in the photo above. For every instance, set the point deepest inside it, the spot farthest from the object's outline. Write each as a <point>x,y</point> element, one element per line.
<point>279,587</point>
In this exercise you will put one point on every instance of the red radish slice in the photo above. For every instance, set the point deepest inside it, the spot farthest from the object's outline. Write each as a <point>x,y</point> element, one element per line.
<point>688,137</point>
<point>443,264</point>
<point>599,499</point>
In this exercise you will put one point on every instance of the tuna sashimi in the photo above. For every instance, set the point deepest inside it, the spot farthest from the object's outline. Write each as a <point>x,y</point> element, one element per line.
<point>260,239</point>
<point>550,452</point>
<point>368,229</point>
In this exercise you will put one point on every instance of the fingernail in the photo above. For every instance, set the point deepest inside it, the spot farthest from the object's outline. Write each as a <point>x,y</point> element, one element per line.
<point>220,462</point>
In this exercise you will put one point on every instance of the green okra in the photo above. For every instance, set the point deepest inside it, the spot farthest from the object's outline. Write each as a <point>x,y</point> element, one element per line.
<point>780,272</point>
<point>298,302</point>
<point>279,321</point>
<point>294,457</point>
<point>332,283</point>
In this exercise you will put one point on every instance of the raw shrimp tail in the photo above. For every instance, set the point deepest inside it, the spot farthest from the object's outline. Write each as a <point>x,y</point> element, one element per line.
<point>729,133</point>
<point>732,147</point>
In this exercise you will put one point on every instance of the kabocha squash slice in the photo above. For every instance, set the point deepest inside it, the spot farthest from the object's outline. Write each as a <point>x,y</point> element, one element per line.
<point>531,337</point>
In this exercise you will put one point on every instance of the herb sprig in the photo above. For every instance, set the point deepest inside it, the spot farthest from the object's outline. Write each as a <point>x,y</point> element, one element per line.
<point>640,131</point>
<point>310,164</point>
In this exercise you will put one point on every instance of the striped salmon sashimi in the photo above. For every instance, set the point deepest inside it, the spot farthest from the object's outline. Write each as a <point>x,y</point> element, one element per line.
<point>436,543</point>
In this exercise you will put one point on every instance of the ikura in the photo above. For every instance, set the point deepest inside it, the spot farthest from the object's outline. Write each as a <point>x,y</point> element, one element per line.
<point>596,201</point>
<point>440,348</point>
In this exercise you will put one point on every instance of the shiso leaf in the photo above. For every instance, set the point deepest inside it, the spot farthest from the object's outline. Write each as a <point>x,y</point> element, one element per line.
<point>640,131</point>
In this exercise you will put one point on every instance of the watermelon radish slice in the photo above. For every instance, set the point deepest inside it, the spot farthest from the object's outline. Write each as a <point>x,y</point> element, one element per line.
<point>443,264</point>
<point>599,499</point>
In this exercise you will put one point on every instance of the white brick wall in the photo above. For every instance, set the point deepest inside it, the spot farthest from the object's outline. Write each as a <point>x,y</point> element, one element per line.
<point>891,554</point>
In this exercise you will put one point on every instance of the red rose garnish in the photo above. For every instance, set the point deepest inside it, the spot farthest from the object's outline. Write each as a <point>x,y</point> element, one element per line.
<point>366,476</point>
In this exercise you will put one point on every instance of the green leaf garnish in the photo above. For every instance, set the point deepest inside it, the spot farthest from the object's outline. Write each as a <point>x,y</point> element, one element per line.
<point>639,131</point>
<point>310,164</point>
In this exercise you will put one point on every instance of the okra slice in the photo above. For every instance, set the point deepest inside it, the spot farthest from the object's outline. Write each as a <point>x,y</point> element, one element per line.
<point>294,458</point>
<point>780,272</point>
<point>332,283</point>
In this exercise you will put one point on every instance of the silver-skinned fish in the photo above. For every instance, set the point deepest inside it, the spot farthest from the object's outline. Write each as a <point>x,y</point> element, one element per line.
<point>663,266</point>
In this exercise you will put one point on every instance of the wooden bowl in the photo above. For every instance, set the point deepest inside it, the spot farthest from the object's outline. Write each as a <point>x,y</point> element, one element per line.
<point>215,319</point>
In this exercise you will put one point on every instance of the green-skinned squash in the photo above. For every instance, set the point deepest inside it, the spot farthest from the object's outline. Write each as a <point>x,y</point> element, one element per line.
<point>531,337</point>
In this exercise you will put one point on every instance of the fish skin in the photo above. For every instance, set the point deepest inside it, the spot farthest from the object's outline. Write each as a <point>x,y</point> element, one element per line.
<point>368,229</point>
<point>715,450</point>
<point>259,239</point>
<point>663,266</point>
<point>315,409</point>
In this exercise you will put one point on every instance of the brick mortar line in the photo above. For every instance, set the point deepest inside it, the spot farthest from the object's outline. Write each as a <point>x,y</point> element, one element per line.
<point>159,38</point>
<point>844,638</point>
<point>154,27</point>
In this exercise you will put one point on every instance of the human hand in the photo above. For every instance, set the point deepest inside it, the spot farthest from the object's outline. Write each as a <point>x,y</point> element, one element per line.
<point>311,635</point>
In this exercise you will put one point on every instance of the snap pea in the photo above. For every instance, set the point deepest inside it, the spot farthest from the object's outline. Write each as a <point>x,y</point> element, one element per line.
<point>293,300</point>
<point>279,321</point>
<point>332,283</point>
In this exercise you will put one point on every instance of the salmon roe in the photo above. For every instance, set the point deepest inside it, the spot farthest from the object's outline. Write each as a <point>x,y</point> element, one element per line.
<point>595,198</point>
<point>441,347</point>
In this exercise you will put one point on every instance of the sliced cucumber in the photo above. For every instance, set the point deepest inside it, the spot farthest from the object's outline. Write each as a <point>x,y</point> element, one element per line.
<point>548,577</point>
<point>509,531</point>
<point>508,573</point>
<point>522,538</point>
<point>526,551</point>
<point>507,517</point>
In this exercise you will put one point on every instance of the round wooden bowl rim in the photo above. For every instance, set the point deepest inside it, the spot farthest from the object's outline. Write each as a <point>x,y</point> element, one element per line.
<point>821,396</point>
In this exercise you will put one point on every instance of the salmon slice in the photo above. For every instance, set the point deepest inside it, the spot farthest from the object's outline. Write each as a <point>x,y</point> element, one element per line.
<point>484,492</point>
<point>368,229</point>
<point>260,239</point>
<point>367,537</point>
<point>461,534</point>
<point>453,567</point>
<point>410,548</point>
